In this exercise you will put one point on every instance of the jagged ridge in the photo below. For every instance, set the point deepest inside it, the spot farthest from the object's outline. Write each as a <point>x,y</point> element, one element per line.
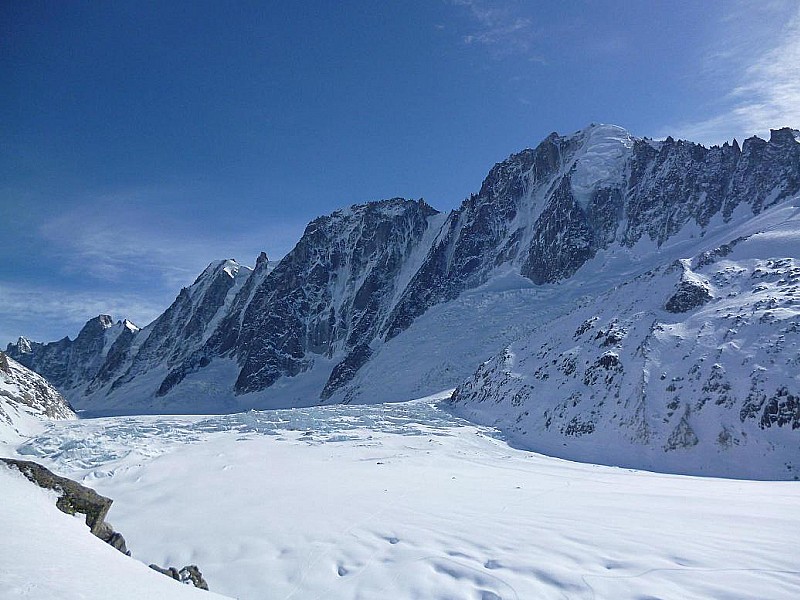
<point>361,277</point>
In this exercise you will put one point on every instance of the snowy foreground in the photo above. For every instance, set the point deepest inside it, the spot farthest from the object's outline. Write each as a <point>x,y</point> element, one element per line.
<point>403,501</point>
<point>46,554</point>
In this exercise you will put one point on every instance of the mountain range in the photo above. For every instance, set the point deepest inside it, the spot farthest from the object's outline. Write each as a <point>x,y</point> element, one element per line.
<point>605,287</point>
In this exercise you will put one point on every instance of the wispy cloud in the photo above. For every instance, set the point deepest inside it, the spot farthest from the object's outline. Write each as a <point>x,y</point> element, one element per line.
<point>45,313</point>
<point>127,254</point>
<point>123,238</point>
<point>500,29</point>
<point>764,91</point>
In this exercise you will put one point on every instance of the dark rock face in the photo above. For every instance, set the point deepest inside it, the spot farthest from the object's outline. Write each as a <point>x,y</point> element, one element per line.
<point>676,183</point>
<point>690,294</point>
<point>115,360</point>
<point>181,328</point>
<point>481,234</point>
<point>74,498</point>
<point>345,370</point>
<point>189,575</point>
<point>783,408</point>
<point>330,293</point>
<point>563,238</point>
<point>68,364</point>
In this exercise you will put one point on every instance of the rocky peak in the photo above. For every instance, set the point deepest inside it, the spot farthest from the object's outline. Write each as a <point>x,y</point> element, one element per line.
<point>183,327</point>
<point>331,292</point>
<point>94,328</point>
<point>784,136</point>
<point>129,325</point>
<point>227,268</point>
<point>753,144</point>
<point>23,345</point>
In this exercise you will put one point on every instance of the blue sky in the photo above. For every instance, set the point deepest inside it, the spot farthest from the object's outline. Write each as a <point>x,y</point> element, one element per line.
<point>141,140</point>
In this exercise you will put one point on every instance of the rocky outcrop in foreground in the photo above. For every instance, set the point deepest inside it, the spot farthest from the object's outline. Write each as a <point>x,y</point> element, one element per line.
<point>74,498</point>
<point>189,575</point>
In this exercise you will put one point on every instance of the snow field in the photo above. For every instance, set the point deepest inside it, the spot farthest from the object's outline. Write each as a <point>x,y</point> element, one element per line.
<point>406,501</point>
<point>47,554</point>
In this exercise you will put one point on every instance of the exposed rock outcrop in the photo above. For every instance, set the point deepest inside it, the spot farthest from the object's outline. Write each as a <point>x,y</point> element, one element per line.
<point>189,575</point>
<point>692,292</point>
<point>74,498</point>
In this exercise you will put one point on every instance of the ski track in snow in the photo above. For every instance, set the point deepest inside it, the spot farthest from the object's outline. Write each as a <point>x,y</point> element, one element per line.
<point>407,501</point>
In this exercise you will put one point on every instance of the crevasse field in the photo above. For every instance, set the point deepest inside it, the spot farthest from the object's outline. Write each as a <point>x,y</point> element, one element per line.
<point>406,501</point>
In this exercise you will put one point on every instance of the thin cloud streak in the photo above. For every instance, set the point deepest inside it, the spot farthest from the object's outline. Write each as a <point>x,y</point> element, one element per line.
<point>33,311</point>
<point>501,31</point>
<point>133,244</point>
<point>765,95</point>
<point>126,257</point>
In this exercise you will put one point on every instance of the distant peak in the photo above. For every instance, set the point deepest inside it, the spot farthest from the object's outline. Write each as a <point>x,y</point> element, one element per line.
<point>23,345</point>
<point>784,135</point>
<point>228,265</point>
<point>231,267</point>
<point>104,321</point>
<point>130,326</point>
<point>605,129</point>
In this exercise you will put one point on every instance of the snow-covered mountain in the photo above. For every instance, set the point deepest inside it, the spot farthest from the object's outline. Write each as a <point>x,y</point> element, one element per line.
<point>391,299</point>
<point>691,367</point>
<point>25,399</point>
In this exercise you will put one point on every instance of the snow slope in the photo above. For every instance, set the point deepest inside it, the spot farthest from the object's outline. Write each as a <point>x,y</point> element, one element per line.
<point>406,501</point>
<point>692,367</point>
<point>25,400</point>
<point>45,553</point>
